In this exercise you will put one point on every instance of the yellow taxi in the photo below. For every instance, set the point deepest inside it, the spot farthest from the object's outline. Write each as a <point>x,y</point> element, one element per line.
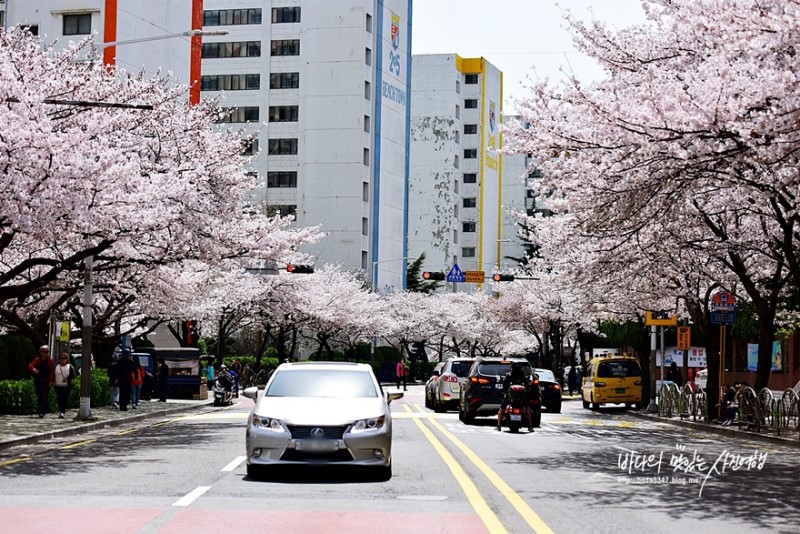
<point>612,380</point>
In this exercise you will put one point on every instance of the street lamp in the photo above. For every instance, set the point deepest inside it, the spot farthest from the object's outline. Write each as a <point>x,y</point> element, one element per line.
<point>190,33</point>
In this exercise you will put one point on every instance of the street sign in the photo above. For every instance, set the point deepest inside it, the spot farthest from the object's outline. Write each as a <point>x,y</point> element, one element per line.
<point>684,337</point>
<point>723,301</point>
<point>455,274</point>
<point>475,277</point>
<point>723,317</point>
<point>650,319</point>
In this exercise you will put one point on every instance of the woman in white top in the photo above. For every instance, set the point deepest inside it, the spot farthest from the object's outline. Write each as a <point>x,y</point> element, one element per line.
<point>64,374</point>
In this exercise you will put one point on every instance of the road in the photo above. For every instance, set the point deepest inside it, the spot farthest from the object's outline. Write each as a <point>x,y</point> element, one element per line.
<point>581,471</point>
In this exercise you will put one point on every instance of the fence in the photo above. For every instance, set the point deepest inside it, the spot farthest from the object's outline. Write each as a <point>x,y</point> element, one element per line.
<point>767,411</point>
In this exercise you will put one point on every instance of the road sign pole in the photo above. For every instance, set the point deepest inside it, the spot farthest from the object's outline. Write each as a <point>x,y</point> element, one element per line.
<point>652,407</point>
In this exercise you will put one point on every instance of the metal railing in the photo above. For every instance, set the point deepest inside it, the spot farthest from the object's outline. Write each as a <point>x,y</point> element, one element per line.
<point>766,411</point>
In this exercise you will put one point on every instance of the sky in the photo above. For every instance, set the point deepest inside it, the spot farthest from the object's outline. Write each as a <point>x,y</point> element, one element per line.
<point>522,38</point>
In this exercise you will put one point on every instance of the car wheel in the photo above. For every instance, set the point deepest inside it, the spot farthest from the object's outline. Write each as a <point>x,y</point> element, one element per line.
<point>585,404</point>
<point>595,406</point>
<point>469,418</point>
<point>556,408</point>
<point>254,471</point>
<point>628,405</point>
<point>427,400</point>
<point>437,405</point>
<point>460,413</point>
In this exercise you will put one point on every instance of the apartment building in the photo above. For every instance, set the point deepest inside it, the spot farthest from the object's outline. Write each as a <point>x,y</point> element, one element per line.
<point>457,212</point>
<point>322,88</point>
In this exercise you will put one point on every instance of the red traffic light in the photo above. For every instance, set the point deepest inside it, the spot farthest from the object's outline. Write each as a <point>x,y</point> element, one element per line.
<point>432,275</point>
<point>300,269</point>
<point>497,277</point>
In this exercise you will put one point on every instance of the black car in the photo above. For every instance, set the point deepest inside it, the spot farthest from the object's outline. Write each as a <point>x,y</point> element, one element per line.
<point>482,393</point>
<point>551,390</point>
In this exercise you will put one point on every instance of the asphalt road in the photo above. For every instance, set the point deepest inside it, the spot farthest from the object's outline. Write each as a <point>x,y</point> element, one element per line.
<point>581,472</point>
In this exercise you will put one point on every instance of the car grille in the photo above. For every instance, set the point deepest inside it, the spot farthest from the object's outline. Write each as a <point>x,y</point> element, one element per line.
<point>342,455</point>
<point>328,432</point>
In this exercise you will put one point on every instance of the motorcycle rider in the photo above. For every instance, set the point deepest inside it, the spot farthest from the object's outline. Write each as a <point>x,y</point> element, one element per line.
<point>515,377</point>
<point>225,379</point>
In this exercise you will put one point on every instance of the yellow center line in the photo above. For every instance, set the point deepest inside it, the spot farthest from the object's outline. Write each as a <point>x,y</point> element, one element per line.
<point>15,461</point>
<point>78,444</point>
<point>527,513</point>
<point>474,496</point>
<point>127,432</point>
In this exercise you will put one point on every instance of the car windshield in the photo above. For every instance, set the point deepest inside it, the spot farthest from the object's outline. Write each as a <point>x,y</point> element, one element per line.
<point>500,368</point>
<point>621,369</point>
<point>460,369</point>
<point>546,375</point>
<point>322,383</point>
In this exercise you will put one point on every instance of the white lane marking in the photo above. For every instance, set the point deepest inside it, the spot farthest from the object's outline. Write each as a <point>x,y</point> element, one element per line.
<point>234,464</point>
<point>190,497</point>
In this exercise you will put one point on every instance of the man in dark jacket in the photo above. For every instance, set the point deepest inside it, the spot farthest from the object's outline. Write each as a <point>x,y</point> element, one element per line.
<point>515,377</point>
<point>125,369</point>
<point>43,369</point>
<point>163,374</point>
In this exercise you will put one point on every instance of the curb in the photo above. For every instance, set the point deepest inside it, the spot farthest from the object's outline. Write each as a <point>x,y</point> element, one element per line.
<point>720,430</point>
<point>95,425</point>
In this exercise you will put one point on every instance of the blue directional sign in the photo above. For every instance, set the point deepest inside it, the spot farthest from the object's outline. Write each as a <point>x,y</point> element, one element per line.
<point>723,317</point>
<point>455,274</point>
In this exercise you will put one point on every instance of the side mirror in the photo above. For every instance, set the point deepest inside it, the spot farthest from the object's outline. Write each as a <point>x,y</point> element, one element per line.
<point>393,395</point>
<point>251,393</point>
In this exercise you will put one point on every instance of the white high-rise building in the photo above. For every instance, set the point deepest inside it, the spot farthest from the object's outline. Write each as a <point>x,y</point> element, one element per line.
<point>323,86</point>
<point>456,210</point>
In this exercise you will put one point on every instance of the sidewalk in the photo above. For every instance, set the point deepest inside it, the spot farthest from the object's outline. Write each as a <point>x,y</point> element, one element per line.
<point>25,429</point>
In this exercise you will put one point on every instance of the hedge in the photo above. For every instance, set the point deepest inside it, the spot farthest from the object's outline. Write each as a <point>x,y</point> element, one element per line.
<point>18,397</point>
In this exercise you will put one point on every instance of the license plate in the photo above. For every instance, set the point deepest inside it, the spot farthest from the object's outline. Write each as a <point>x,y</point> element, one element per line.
<point>316,445</point>
<point>620,391</point>
<point>516,417</point>
<point>498,386</point>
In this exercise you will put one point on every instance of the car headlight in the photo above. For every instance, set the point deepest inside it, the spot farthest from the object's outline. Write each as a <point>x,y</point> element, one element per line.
<point>368,425</point>
<point>267,423</point>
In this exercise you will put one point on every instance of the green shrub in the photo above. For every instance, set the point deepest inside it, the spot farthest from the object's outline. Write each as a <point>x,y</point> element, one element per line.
<point>16,352</point>
<point>18,397</point>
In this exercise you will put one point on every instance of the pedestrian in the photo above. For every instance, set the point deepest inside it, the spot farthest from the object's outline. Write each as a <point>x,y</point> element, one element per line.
<point>64,373</point>
<point>400,374</point>
<point>137,379</point>
<point>674,374</point>
<point>163,373</point>
<point>125,370</point>
<point>43,370</point>
<point>210,376</point>
<point>572,379</point>
<point>113,381</point>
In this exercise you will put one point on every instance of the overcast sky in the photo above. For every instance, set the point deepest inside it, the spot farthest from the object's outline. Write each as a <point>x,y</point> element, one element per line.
<point>520,37</point>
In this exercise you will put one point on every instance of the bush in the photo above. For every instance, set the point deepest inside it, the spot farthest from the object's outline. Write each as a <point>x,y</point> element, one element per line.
<point>18,397</point>
<point>16,352</point>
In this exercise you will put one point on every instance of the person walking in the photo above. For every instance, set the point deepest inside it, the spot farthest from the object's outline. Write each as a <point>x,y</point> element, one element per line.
<point>674,374</point>
<point>163,373</point>
<point>572,379</point>
<point>400,374</point>
<point>43,370</point>
<point>125,370</point>
<point>64,373</point>
<point>137,379</point>
<point>113,382</point>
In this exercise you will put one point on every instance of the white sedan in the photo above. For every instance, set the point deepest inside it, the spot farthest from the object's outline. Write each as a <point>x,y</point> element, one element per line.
<point>321,413</point>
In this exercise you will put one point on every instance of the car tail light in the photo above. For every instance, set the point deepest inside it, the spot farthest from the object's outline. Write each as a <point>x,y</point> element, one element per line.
<point>516,411</point>
<point>479,380</point>
<point>449,378</point>
<point>556,386</point>
<point>600,384</point>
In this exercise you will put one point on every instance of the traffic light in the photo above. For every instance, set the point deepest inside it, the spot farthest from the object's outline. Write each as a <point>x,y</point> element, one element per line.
<point>300,269</point>
<point>497,277</point>
<point>430,275</point>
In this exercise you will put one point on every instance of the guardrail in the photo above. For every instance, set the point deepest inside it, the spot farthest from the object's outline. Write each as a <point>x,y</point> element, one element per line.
<point>760,412</point>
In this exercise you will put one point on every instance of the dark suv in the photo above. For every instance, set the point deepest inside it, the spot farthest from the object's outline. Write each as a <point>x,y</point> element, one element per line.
<point>482,393</point>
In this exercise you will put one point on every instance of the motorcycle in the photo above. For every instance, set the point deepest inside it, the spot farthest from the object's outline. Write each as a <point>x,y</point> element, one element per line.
<point>515,413</point>
<point>223,396</point>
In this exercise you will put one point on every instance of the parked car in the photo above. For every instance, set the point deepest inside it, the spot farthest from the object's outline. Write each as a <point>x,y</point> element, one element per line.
<point>320,413</point>
<point>482,393</point>
<point>447,388</point>
<point>551,390</point>
<point>429,385</point>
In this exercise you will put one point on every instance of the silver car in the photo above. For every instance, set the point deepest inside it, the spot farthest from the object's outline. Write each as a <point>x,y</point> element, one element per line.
<point>447,388</point>
<point>321,413</point>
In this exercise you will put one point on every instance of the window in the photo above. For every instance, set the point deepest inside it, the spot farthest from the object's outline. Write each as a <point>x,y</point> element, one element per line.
<point>367,91</point>
<point>283,113</point>
<point>470,203</point>
<point>468,227</point>
<point>458,112</point>
<point>470,178</point>
<point>458,87</point>
<point>366,157</point>
<point>285,14</point>
<point>284,80</point>
<point>369,23</point>
<point>278,147</point>
<point>33,28</point>
<point>231,17</point>
<point>234,49</point>
<point>285,47</point>
<point>77,24</point>
<point>455,162</point>
<point>365,192</point>
<point>470,153</point>
<point>230,82</point>
<point>250,148</point>
<point>457,137</point>
<point>282,179</point>
<point>368,56</point>
<point>364,226</point>
<point>366,123</point>
<point>364,259</point>
<point>471,79</point>
<point>470,129</point>
<point>283,210</point>
<point>468,252</point>
<point>243,114</point>
<point>471,103</point>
